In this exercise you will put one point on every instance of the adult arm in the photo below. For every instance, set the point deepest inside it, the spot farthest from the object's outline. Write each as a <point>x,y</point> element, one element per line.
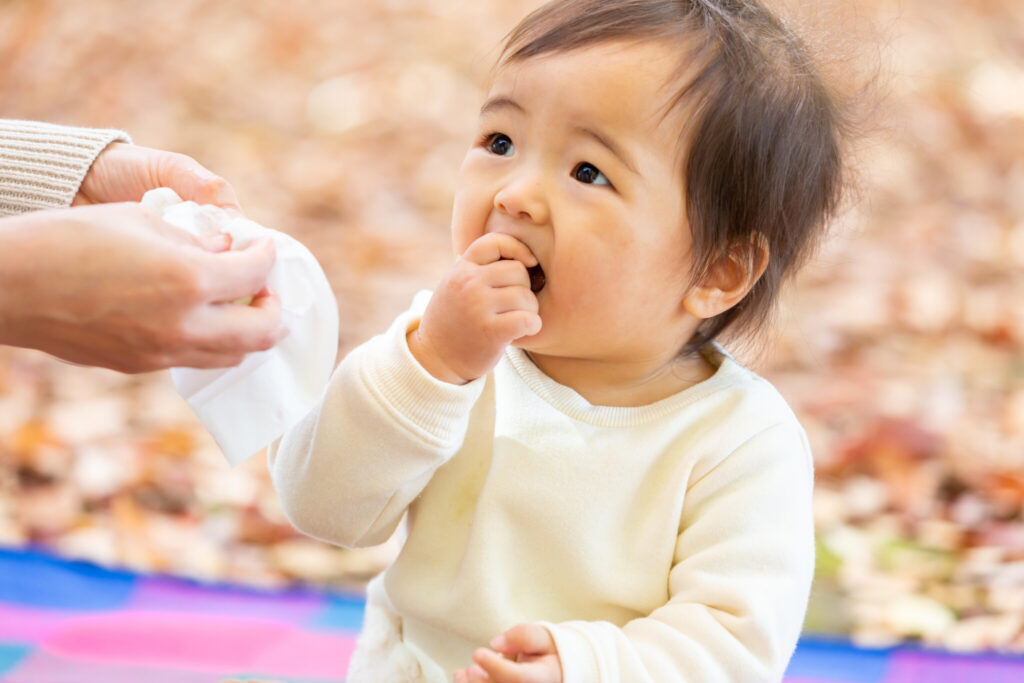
<point>115,286</point>
<point>348,471</point>
<point>42,165</point>
<point>49,166</point>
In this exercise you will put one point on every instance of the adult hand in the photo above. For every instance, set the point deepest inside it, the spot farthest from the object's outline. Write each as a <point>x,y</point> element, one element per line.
<point>483,303</point>
<point>524,654</point>
<point>115,286</point>
<point>124,172</point>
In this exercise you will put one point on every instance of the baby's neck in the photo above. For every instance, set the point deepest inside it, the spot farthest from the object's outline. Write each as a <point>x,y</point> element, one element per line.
<point>631,383</point>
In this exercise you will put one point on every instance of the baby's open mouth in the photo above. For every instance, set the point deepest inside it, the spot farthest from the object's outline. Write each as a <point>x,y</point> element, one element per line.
<point>537,279</point>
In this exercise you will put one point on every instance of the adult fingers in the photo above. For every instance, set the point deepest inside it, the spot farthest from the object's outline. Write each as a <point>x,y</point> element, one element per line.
<point>201,360</point>
<point>268,300</point>
<point>215,243</point>
<point>192,181</point>
<point>233,275</point>
<point>529,639</point>
<point>495,246</point>
<point>233,328</point>
<point>149,218</point>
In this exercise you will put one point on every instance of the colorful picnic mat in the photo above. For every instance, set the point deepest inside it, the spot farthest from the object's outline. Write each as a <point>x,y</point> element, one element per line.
<point>72,622</point>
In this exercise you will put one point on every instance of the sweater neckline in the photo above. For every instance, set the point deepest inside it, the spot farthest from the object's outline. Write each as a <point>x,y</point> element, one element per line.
<point>566,400</point>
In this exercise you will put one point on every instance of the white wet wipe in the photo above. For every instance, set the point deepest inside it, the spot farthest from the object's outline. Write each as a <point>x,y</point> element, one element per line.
<point>247,407</point>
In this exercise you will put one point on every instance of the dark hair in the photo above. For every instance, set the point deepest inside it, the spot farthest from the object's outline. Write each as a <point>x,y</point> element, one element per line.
<point>761,151</point>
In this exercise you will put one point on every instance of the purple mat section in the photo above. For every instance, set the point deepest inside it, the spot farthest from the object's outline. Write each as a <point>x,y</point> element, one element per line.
<point>164,594</point>
<point>924,667</point>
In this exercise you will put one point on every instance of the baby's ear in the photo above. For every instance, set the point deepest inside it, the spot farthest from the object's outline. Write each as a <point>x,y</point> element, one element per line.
<point>729,279</point>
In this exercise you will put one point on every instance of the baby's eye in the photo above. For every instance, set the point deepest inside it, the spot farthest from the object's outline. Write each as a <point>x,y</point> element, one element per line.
<point>501,144</point>
<point>588,173</point>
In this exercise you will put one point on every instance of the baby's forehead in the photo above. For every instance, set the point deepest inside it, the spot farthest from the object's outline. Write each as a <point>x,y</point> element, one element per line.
<point>625,85</point>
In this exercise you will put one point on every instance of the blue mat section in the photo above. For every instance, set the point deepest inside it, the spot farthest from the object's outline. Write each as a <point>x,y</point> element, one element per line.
<point>38,580</point>
<point>10,656</point>
<point>341,613</point>
<point>835,660</point>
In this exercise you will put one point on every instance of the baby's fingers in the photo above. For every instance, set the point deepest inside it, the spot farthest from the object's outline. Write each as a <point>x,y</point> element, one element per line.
<point>506,273</point>
<point>527,639</point>
<point>496,668</point>
<point>495,246</point>
<point>473,674</point>
<point>510,299</point>
<point>517,324</point>
<point>502,670</point>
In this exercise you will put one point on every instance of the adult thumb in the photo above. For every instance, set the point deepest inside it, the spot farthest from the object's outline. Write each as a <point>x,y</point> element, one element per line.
<point>194,182</point>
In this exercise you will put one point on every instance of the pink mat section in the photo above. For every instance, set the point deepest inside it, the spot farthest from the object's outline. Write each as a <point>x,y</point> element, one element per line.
<point>165,639</point>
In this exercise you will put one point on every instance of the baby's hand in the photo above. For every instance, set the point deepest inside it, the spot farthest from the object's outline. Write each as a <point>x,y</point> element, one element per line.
<point>530,656</point>
<point>483,303</point>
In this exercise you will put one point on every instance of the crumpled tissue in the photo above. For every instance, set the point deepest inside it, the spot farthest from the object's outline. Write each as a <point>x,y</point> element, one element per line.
<point>247,407</point>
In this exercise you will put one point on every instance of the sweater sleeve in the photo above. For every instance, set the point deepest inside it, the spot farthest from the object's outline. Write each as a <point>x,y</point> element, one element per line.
<point>739,586</point>
<point>42,165</point>
<point>348,471</point>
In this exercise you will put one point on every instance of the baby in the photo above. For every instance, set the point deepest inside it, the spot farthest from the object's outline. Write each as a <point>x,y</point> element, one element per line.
<point>592,488</point>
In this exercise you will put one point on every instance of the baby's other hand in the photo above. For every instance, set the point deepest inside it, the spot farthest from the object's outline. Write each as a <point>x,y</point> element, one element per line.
<point>482,304</point>
<point>530,656</point>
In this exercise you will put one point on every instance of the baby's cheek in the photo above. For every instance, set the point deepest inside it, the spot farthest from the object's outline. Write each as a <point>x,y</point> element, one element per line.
<point>469,219</point>
<point>605,290</point>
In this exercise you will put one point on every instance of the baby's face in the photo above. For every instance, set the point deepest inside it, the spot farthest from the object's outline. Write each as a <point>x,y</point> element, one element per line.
<point>575,157</point>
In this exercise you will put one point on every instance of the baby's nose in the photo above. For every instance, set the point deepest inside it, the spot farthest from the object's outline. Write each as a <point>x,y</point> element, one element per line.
<point>523,198</point>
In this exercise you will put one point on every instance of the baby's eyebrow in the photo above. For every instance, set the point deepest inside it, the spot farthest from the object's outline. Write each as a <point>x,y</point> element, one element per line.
<point>610,145</point>
<point>501,103</point>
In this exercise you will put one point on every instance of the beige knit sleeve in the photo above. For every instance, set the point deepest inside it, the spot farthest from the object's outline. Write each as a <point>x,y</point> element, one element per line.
<point>42,165</point>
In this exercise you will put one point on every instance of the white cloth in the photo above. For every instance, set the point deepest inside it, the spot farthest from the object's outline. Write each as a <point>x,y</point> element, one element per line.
<point>662,543</point>
<point>246,407</point>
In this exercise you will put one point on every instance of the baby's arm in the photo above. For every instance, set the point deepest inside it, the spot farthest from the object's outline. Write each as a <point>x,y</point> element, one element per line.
<point>347,472</point>
<point>738,589</point>
<point>397,408</point>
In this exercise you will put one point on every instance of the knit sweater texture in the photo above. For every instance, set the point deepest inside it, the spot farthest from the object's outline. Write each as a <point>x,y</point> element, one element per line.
<point>665,542</point>
<point>42,165</point>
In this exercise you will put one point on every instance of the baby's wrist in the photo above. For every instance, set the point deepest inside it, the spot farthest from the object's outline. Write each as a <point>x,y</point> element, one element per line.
<point>430,361</point>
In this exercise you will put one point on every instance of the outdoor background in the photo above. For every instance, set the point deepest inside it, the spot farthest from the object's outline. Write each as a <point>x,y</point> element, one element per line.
<point>343,123</point>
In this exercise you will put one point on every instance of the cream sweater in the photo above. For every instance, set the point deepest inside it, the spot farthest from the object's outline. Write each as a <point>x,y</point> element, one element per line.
<point>42,165</point>
<point>667,542</point>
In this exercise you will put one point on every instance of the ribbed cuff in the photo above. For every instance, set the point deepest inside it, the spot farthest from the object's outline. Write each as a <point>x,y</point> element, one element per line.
<point>42,165</point>
<point>432,407</point>
<point>575,652</point>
